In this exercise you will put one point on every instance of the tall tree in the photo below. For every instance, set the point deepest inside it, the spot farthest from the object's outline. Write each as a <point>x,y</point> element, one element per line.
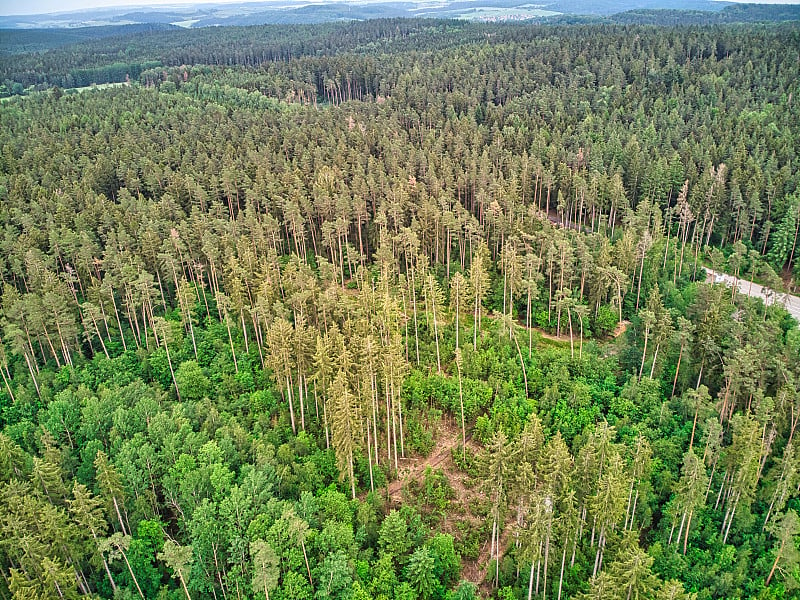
<point>344,427</point>
<point>479,283</point>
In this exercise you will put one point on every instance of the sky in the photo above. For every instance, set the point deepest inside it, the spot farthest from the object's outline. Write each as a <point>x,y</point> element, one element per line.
<point>35,7</point>
<point>30,7</point>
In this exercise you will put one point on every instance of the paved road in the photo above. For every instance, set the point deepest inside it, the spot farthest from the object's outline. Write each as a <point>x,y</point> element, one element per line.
<point>792,303</point>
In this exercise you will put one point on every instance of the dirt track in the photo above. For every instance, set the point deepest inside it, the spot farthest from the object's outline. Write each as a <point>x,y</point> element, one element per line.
<point>414,468</point>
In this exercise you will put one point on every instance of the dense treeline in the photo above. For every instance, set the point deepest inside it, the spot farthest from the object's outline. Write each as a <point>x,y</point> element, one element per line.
<point>20,41</point>
<point>246,46</point>
<point>236,301</point>
<point>734,13</point>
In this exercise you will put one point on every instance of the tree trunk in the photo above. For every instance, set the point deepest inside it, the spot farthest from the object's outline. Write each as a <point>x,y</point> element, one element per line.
<point>413,292</point>
<point>686,536</point>
<point>352,475</point>
<point>644,352</point>
<point>522,363</point>
<point>130,570</point>
<point>775,564</point>
<point>305,557</point>
<point>435,330</point>
<point>677,370</point>
<point>457,310</point>
<point>230,341</point>
<point>291,405</point>
<point>530,584</point>
<point>639,286</point>
<point>571,339</point>
<point>172,371</point>
<point>369,457</point>
<point>561,575</point>
<point>655,356</point>
<point>546,559</point>
<point>183,583</point>
<point>300,400</point>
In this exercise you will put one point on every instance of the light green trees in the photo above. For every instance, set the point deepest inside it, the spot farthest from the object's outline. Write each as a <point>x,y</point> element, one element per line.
<point>648,318</point>
<point>434,301</point>
<point>87,512</point>
<point>178,558</point>
<point>607,505</point>
<point>265,568</point>
<point>690,496</point>
<point>683,335</point>
<point>785,530</point>
<point>530,284</point>
<point>344,427</point>
<point>786,482</point>
<point>280,359</point>
<point>742,459</point>
<point>496,468</point>
<point>639,472</point>
<point>698,401</point>
<point>632,570</point>
<point>420,573</point>
<point>512,269</point>
<point>459,300</point>
<point>111,487</point>
<point>479,282</point>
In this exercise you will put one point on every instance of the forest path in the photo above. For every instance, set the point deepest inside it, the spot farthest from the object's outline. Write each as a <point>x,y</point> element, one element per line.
<point>465,490</point>
<point>750,288</point>
<point>413,469</point>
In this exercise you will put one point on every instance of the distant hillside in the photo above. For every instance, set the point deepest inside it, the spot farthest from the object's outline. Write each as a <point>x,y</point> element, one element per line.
<point>36,33</point>
<point>738,13</point>
<point>612,7</point>
<point>20,41</point>
<point>317,11</point>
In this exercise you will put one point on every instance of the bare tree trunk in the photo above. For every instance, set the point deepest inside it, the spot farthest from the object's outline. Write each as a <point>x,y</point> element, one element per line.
<point>677,370</point>
<point>775,564</point>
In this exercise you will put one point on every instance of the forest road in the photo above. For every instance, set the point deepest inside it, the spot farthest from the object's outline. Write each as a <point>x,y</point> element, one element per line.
<point>750,288</point>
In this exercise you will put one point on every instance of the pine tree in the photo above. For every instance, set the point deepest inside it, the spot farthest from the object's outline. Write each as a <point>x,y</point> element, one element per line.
<point>785,529</point>
<point>111,488</point>
<point>420,573</point>
<point>280,359</point>
<point>632,571</point>
<point>495,469</point>
<point>479,283</point>
<point>690,496</point>
<point>344,427</point>
<point>87,513</point>
<point>459,300</point>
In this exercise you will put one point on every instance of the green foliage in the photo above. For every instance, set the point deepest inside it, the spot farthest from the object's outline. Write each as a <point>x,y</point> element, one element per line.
<point>605,322</point>
<point>420,573</point>
<point>466,590</point>
<point>294,586</point>
<point>192,382</point>
<point>336,573</point>
<point>223,313</point>
<point>446,563</point>
<point>393,538</point>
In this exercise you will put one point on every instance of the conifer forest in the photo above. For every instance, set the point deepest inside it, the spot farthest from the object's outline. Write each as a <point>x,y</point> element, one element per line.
<point>401,310</point>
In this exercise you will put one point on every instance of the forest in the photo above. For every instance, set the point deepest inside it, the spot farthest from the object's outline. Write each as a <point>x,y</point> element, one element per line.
<point>401,310</point>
